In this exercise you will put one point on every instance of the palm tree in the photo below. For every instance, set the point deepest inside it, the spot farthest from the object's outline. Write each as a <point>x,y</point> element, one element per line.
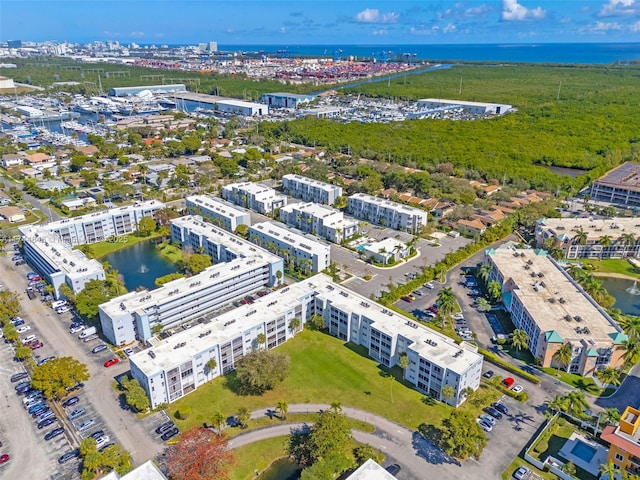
<point>564,355</point>
<point>580,237</point>
<point>576,403</point>
<point>628,240</point>
<point>243,416</point>
<point>294,324</point>
<point>631,349</point>
<point>483,304</point>
<point>483,272</point>
<point>283,407</point>
<point>261,339</point>
<point>611,416</point>
<point>519,339</point>
<point>609,376</point>
<point>446,301</point>
<point>605,241</point>
<point>495,290</point>
<point>448,392</point>
<point>630,324</point>
<point>557,404</point>
<point>143,169</point>
<point>403,361</point>
<point>218,421</point>
<point>608,470</point>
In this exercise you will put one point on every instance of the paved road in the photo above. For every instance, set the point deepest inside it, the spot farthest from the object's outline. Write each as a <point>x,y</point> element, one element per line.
<point>34,202</point>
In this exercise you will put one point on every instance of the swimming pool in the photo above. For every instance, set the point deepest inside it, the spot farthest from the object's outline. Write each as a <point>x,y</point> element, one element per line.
<point>362,246</point>
<point>583,451</point>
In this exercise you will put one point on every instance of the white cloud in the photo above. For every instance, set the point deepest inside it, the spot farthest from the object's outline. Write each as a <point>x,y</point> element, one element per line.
<point>602,27</point>
<point>136,34</point>
<point>478,11</point>
<point>513,11</point>
<point>635,27</point>
<point>373,15</point>
<point>449,28</point>
<point>618,8</point>
<point>283,29</point>
<point>379,32</point>
<point>422,30</point>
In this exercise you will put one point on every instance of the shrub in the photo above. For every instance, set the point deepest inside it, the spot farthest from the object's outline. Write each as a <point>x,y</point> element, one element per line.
<point>491,357</point>
<point>542,446</point>
<point>184,413</point>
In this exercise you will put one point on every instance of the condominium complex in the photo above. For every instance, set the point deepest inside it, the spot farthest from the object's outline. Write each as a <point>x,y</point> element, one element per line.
<point>254,196</point>
<point>624,441</point>
<point>554,310</point>
<point>590,238</point>
<point>621,186</point>
<point>218,212</point>
<point>241,268</point>
<point>56,262</point>
<point>307,254</point>
<point>176,366</point>
<point>319,220</point>
<point>310,190</point>
<point>387,213</point>
<point>105,224</point>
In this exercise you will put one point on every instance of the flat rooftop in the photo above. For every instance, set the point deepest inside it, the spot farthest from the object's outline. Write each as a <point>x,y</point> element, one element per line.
<point>214,204</point>
<point>429,343</point>
<point>239,103</point>
<point>554,300</point>
<point>310,181</point>
<point>295,240</point>
<point>594,228</point>
<point>149,204</point>
<point>626,176</point>
<point>389,204</point>
<point>330,216</point>
<point>253,188</point>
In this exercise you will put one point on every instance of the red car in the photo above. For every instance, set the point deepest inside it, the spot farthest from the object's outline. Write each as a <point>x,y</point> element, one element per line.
<point>4,458</point>
<point>507,382</point>
<point>433,309</point>
<point>112,362</point>
<point>36,345</point>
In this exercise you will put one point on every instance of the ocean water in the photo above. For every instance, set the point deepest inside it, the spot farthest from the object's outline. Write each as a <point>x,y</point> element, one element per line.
<point>565,53</point>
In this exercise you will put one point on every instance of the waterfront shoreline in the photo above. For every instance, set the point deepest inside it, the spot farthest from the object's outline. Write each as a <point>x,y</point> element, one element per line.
<point>615,275</point>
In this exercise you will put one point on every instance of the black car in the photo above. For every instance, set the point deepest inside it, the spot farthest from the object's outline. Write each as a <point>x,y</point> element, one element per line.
<point>19,376</point>
<point>24,389</point>
<point>70,402</point>
<point>164,427</point>
<point>500,407</point>
<point>68,456</point>
<point>393,469</point>
<point>97,434</point>
<point>54,433</point>
<point>488,374</point>
<point>47,422</point>
<point>170,434</point>
<point>493,412</point>
<point>22,384</point>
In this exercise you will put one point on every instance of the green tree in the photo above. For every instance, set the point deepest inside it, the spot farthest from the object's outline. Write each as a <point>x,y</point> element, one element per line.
<point>569,468</point>
<point>279,276</point>
<point>609,471</point>
<point>146,226</point>
<point>520,339</point>
<point>364,452</point>
<point>242,230</point>
<point>294,324</point>
<point>218,420</point>
<point>630,325</point>
<point>611,415</point>
<point>22,352</point>
<point>283,407</point>
<point>134,395</point>
<point>631,350</point>
<point>317,321</point>
<point>95,292</point>
<point>260,370</point>
<point>89,176</point>
<point>403,361</point>
<point>461,436</point>
<point>483,272</point>
<point>198,262</point>
<point>483,304</point>
<point>609,376</point>
<point>563,355</point>
<point>10,333</point>
<point>557,404</point>
<point>576,404</point>
<point>446,301</point>
<point>495,290</point>
<point>580,237</point>
<point>261,339</point>
<point>448,392</point>
<point>9,305</point>
<point>55,376</point>
<point>67,293</point>
<point>211,364</point>
<point>243,416</point>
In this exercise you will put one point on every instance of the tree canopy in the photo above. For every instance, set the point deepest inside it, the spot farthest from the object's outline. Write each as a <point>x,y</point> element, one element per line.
<point>134,394</point>
<point>9,305</point>
<point>55,376</point>
<point>146,226</point>
<point>96,462</point>
<point>261,370</point>
<point>95,292</point>
<point>461,436</point>
<point>200,455</point>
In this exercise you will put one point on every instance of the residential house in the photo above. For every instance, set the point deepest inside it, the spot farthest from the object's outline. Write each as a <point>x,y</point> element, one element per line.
<point>12,160</point>
<point>12,214</point>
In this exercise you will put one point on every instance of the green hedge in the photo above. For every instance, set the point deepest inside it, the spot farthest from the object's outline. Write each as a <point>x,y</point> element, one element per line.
<point>493,358</point>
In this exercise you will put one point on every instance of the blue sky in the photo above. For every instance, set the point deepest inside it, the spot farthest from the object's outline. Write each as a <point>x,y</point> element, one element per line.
<point>263,22</point>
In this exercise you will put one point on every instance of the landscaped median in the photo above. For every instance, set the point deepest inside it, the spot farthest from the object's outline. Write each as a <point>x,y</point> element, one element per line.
<point>493,358</point>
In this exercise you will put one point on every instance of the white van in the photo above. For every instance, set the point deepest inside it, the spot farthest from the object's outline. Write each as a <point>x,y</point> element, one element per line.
<point>30,338</point>
<point>58,304</point>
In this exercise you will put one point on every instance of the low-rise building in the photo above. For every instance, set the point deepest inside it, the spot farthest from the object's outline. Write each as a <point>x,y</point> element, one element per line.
<point>254,196</point>
<point>387,213</point>
<point>319,220</point>
<point>241,268</point>
<point>624,441</point>
<point>56,262</point>
<point>471,227</point>
<point>476,108</point>
<point>554,310</point>
<point>240,107</point>
<point>308,255</point>
<point>176,366</point>
<point>286,100</point>
<point>620,186</point>
<point>218,212</point>
<point>386,251</point>
<point>12,214</point>
<point>591,238</point>
<point>12,160</point>
<point>310,190</point>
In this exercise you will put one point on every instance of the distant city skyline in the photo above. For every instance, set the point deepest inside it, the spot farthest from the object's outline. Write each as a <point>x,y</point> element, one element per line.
<point>318,22</point>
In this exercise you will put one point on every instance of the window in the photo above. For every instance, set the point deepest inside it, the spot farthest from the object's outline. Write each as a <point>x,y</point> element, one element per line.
<point>619,457</point>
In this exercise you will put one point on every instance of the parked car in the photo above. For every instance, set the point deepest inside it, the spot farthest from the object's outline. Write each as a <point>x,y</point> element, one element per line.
<point>493,412</point>
<point>488,374</point>
<point>429,285</point>
<point>4,458</point>
<point>19,262</point>
<point>76,413</point>
<point>23,389</point>
<point>500,407</point>
<point>517,389</point>
<point>164,427</point>
<point>46,422</point>
<point>170,434</point>
<point>521,473</point>
<point>488,418</point>
<point>408,298</point>
<point>486,426</point>
<point>45,416</point>
<point>97,434</point>
<point>19,376</point>
<point>18,322</point>
<point>23,328</point>
<point>46,359</point>
<point>434,309</point>
<point>29,339</point>
<point>70,402</point>
<point>507,382</point>
<point>418,293</point>
<point>62,310</point>
<point>393,469</point>
<point>36,345</point>
<point>37,408</point>
<point>102,441</point>
<point>65,457</point>
<point>54,433</point>
<point>110,363</point>
<point>85,425</point>
<point>99,348</point>
<point>128,351</point>
<point>75,328</point>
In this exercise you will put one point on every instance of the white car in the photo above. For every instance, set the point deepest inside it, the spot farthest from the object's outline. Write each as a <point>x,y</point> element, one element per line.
<point>486,426</point>
<point>457,316</point>
<point>86,424</point>
<point>23,328</point>
<point>488,418</point>
<point>63,309</point>
<point>521,473</point>
<point>128,351</point>
<point>429,285</point>
<point>102,441</point>
<point>517,389</point>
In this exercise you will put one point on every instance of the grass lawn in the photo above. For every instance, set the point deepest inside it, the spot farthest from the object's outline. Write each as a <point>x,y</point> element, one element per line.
<point>323,370</point>
<point>612,265</point>
<point>172,253</point>
<point>257,456</point>
<point>102,249</point>
<point>518,462</point>
<point>585,384</point>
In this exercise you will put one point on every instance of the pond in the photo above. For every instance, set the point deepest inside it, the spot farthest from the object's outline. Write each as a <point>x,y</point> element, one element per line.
<point>571,172</point>
<point>620,288</point>
<point>140,265</point>
<point>281,469</point>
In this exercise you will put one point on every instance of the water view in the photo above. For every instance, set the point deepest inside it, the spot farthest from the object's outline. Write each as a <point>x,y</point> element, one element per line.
<point>140,265</point>
<point>626,293</point>
<point>281,469</point>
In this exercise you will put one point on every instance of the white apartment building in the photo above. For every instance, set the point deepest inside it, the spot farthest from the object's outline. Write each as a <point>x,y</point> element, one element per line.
<point>386,213</point>
<point>241,268</point>
<point>56,262</point>
<point>254,196</point>
<point>310,190</point>
<point>386,251</point>
<point>176,366</point>
<point>319,220</point>
<point>218,212</point>
<point>591,238</point>
<point>307,254</point>
<point>99,226</point>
